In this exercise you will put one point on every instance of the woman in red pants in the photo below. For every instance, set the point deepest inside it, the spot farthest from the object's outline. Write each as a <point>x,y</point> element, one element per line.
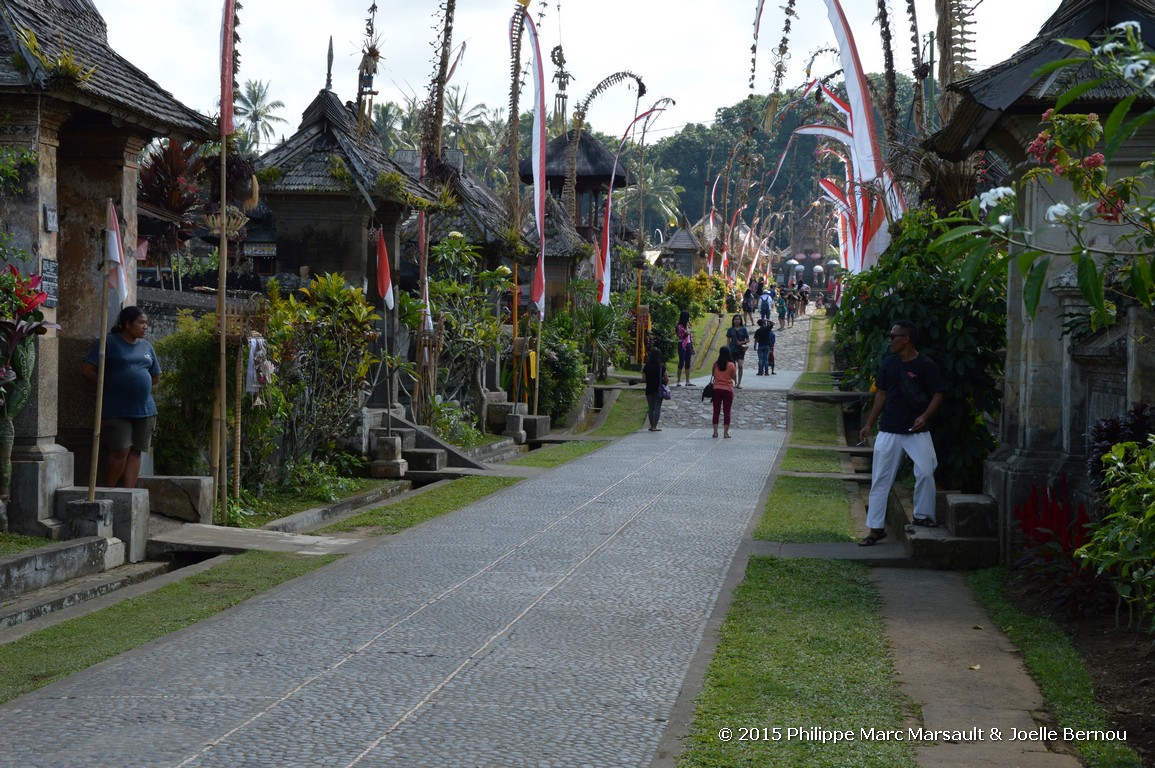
<point>723,400</point>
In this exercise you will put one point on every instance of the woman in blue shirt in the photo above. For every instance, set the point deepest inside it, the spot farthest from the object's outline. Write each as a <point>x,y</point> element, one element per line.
<point>131,368</point>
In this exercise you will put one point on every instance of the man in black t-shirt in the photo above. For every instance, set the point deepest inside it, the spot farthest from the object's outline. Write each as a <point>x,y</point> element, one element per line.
<point>909,391</point>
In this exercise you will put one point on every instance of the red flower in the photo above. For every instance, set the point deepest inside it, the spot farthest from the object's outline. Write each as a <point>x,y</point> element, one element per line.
<point>1094,161</point>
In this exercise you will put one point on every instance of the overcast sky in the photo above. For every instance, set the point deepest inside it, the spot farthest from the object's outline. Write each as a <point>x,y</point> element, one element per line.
<point>697,53</point>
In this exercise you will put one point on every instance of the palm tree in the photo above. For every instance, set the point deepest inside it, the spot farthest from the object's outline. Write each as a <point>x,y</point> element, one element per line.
<point>254,106</point>
<point>486,154</point>
<point>661,199</point>
<point>390,123</point>
<point>461,119</point>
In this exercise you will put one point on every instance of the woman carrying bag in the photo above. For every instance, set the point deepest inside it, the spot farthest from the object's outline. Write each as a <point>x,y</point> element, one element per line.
<point>657,385</point>
<point>723,396</point>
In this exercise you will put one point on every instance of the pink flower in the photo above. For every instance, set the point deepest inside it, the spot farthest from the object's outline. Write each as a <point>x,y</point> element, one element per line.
<point>1094,161</point>
<point>1048,113</point>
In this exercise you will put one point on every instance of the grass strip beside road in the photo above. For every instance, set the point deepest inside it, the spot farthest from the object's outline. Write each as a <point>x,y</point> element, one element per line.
<point>814,423</point>
<point>803,646</point>
<point>64,649</point>
<point>806,510</point>
<point>556,455</point>
<point>408,512</point>
<point>626,415</point>
<point>1056,666</point>
<point>811,460</point>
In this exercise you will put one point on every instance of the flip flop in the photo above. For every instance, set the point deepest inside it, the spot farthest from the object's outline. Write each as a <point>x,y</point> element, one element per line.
<point>876,535</point>
<point>925,522</point>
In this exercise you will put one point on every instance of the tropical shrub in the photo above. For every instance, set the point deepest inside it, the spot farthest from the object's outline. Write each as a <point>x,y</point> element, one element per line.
<point>190,359</point>
<point>1122,544</point>
<point>562,370</point>
<point>1050,534</point>
<point>319,340</point>
<point>454,424</point>
<point>691,294</point>
<point>964,336</point>
<point>1136,425</point>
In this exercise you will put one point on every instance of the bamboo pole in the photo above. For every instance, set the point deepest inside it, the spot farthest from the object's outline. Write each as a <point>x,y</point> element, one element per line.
<point>240,382</point>
<point>218,457</point>
<point>101,345</point>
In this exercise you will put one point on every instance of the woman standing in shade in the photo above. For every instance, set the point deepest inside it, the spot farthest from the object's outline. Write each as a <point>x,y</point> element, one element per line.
<point>131,368</point>
<point>723,400</point>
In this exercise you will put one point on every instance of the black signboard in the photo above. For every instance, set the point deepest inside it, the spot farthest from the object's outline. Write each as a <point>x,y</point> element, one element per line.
<point>48,282</point>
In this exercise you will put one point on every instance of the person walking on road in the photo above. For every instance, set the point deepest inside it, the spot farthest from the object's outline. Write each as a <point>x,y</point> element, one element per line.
<point>685,347</point>
<point>781,307</point>
<point>725,373</point>
<point>654,373</point>
<point>909,391</point>
<point>764,340</point>
<point>737,339</point>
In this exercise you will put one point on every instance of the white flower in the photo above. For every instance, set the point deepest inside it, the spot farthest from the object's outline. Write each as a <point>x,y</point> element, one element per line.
<point>1123,26</point>
<point>1058,212</point>
<point>991,197</point>
<point>1005,221</point>
<point>1110,47</point>
<point>1135,68</point>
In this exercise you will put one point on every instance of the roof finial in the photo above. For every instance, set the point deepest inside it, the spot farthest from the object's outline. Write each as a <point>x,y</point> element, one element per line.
<point>329,74</point>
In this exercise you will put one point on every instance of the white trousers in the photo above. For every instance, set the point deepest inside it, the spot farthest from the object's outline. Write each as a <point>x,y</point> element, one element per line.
<point>888,450</point>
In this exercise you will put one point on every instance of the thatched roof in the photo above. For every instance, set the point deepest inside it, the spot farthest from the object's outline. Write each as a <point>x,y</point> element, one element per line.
<point>595,163</point>
<point>1009,88</point>
<point>308,159</point>
<point>682,240</point>
<point>115,87</point>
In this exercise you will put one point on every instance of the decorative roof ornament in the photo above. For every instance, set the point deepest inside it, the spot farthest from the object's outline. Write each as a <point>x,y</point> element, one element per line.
<point>329,72</point>
<point>366,71</point>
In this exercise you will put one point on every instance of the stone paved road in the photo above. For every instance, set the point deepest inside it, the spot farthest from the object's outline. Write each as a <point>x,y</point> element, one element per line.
<point>549,625</point>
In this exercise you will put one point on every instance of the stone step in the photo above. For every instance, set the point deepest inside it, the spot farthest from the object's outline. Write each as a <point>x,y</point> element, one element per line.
<point>425,459</point>
<point>497,451</point>
<point>535,427</point>
<point>41,602</point>
<point>495,414</point>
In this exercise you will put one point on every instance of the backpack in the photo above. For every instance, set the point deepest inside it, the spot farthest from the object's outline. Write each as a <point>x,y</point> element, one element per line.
<point>765,305</point>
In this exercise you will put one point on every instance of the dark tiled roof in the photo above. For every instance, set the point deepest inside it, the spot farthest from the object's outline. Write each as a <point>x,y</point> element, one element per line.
<point>329,129</point>
<point>595,163</point>
<point>1008,87</point>
<point>682,240</point>
<point>115,87</point>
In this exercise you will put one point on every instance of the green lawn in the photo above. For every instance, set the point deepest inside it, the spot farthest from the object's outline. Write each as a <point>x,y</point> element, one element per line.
<point>802,646</point>
<point>811,460</point>
<point>406,512</point>
<point>556,455</point>
<point>625,417</point>
<point>814,423</point>
<point>12,543</point>
<point>806,509</point>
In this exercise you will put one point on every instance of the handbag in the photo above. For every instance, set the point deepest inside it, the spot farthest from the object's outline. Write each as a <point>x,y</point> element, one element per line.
<point>664,391</point>
<point>708,390</point>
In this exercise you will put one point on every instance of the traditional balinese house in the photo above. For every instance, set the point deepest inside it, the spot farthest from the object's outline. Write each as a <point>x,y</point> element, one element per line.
<point>81,115</point>
<point>479,214</point>
<point>595,166</point>
<point>1055,386</point>
<point>327,186</point>
<point>684,250</point>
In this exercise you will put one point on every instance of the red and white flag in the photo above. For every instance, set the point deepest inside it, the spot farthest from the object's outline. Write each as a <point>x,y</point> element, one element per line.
<point>537,287</point>
<point>115,256</point>
<point>228,24</point>
<point>384,278</point>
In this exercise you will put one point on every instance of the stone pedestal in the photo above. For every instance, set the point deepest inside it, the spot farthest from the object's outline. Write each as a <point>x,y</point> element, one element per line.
<point>514,428</point>
<point>37,472</point>
<point>129,514</point>
<point>387,462</point>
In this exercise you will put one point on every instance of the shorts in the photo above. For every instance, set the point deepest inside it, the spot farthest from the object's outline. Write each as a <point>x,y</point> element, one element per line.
<point>121,433</point>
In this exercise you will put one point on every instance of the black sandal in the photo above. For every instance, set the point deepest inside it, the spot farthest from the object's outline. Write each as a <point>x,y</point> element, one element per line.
<point>876,535</point>
<point>925,522</point>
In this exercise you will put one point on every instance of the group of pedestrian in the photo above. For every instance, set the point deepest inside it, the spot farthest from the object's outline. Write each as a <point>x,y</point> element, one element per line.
<point>908,392</point>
